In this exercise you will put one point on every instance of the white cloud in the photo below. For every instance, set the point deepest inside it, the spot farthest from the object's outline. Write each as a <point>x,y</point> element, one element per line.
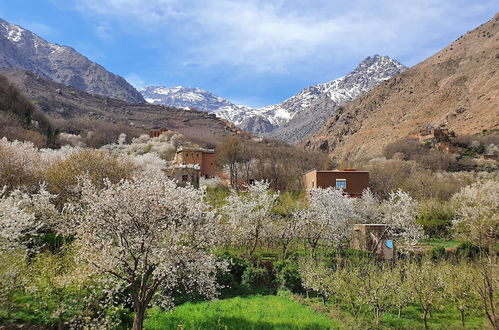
<point>273,36</point>
<point>103,31</point>
<point>135,80</point>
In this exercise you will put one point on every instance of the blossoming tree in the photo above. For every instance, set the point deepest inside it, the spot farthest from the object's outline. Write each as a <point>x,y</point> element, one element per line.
<point>399,213</point>
<point>249,213</point>
<point>329,217</point>
<point>149,236</point>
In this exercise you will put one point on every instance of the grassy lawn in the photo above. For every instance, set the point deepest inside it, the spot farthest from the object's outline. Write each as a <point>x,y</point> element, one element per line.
<point>255,312</point>
<point>449,318</point>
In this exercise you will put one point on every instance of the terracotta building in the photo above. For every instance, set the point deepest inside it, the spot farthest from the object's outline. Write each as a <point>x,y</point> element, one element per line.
<point>430,133</point>
<point>156,132</point>
<point>353,182</point>
<point>205,158</point>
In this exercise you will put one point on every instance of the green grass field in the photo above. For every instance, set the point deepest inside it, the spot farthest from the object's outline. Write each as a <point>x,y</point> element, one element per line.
<point>255,312</point>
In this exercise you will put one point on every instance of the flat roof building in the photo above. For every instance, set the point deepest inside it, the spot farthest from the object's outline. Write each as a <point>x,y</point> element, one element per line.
<point>205,158</point>
<point>353,182</point>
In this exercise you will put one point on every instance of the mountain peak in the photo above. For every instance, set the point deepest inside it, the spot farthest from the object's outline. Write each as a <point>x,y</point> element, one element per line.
<point>368,74</point>
<point>23,49</point>
<point>381,61</point>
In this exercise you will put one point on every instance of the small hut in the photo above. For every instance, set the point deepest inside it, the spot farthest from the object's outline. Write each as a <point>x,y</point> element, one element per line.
<point>373,238</point>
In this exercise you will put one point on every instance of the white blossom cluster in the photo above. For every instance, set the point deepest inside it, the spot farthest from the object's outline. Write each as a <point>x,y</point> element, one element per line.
<point>22,215</point>
<point>478,212</point>
<point>149,234</point>
<point>249,214</point>
<point>399,212</point>
<point>329,217</point>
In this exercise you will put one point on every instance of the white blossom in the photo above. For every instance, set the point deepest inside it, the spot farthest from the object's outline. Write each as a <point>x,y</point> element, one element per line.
<point>250,212</point>
<point>329,217</point>
<point>399,213</point>
<point>148,234</point>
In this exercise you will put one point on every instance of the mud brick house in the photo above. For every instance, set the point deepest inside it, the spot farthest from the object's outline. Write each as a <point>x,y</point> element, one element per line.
<point>156,132</point>
<point>430,133</point>
<point>205,158</point>
<point>353,182</point>
<point>185,174</point>
<point>374,238</point>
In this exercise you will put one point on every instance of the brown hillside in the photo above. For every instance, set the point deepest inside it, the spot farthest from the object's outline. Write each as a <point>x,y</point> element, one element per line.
<point>457,87</point>
<point>63,102</point>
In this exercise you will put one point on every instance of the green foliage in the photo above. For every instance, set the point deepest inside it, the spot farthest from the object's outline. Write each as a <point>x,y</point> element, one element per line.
<point>215,196</point>
<point>260,277</point>
<point>255,312</point>
<point>288,276</point>
<point>438,252</point>
<point>468,250</point>
<point>288,202</point>
<point>436,218</point>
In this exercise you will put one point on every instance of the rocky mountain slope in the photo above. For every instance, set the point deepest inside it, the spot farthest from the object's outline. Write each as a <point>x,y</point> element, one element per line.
<point>457,87</point>
<point>22,49</point>
<point>310,109</point>
<point>279,117</point>
<point>370,72</point>
<point>60,101</point>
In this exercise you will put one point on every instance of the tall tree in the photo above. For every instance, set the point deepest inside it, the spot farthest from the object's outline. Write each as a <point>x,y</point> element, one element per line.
<point>329,217</point>
<point>149,235</point>
<point>250,212</point>
<point>230,154</point>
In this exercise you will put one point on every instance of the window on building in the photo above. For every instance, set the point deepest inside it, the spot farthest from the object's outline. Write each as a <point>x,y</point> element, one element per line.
<point>341,183</point>
<point>313,184</point>
<point>185,178</point>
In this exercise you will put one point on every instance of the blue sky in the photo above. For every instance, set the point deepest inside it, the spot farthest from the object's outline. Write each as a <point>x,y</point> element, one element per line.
<point>253,52</point>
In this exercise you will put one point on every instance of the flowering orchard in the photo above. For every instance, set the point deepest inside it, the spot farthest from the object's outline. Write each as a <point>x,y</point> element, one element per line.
<point>96,237</point>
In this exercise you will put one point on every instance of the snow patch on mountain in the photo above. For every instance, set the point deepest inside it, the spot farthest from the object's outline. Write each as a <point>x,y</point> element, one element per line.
<point>194,98</point>
<point>370,73</point>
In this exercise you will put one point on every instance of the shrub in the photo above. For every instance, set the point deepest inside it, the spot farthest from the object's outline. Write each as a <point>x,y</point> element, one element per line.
<point>468,250</point>
<point>436,218</point>
<point>237,266</point>
<point>288,276</point>
<point>259,277</point>
<point>62,176</point>
<point>408,148</point>
<point>438,252</point>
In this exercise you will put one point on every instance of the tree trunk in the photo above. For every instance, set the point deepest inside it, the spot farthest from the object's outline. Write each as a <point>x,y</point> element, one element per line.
<point>462,317</point>
<point>285,251</point>
<point>425,319</point>
<point>138,320</point>
<point>253,247</point>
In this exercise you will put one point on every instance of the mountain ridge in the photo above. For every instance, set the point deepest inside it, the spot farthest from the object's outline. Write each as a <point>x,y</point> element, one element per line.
<point>65,102</point>
<point>457,87</point>
<point>23,49</point>
<point>263,121</point>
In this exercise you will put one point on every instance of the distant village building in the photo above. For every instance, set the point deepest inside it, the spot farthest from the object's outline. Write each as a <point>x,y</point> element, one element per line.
<point>446,147</point>
<point>205,158</point>
<point>489,157</point>
<point>353,182</point>
<point>374,238</point>
<point>430,133</point>
<point>156,132</point>
<point>186,174</point>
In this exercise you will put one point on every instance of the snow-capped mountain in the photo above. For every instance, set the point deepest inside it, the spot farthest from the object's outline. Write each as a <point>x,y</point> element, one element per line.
<point>190,98</point>
<point>22,49</point>
<point>309,110</point>
<point>370,72</point>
